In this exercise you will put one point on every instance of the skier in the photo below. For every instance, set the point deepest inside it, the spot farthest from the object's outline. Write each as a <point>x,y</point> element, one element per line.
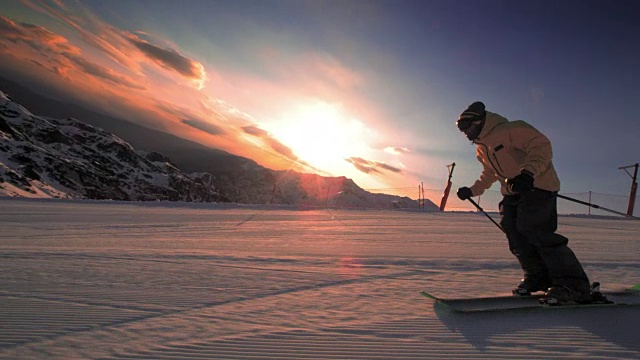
<point>519,156</point>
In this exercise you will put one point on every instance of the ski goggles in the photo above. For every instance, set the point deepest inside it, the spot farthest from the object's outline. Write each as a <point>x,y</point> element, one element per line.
<point>465,124</point>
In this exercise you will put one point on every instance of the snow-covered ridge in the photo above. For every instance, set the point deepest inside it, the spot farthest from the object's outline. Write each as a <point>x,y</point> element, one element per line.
<point>65,158</point>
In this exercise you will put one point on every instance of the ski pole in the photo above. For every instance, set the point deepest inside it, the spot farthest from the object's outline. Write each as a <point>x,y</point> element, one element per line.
<point>595,206</point>
<point>485,214</point>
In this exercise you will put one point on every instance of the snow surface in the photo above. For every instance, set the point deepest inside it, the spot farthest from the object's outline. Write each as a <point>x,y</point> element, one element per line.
<point>116,280</point>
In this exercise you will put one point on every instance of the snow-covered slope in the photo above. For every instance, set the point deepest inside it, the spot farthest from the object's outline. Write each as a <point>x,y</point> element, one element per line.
<point>158,280</point>
<point>66,158</point>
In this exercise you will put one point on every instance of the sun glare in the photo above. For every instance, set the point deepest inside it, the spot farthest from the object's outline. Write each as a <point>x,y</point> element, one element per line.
<point>322,135</point>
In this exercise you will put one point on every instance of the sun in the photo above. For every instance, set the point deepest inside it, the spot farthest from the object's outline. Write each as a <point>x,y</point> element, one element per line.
<point>322,134</point>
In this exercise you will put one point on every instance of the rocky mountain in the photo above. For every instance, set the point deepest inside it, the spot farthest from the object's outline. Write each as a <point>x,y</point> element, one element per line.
<point>187,155</point>
<point>260,185</point>
<point>48,157</point>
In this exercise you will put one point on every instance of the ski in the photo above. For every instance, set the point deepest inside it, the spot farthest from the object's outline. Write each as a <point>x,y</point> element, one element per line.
<point>627,297</point>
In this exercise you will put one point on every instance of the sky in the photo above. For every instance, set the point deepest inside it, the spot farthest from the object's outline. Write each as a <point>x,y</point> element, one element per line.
<point>369,90</point>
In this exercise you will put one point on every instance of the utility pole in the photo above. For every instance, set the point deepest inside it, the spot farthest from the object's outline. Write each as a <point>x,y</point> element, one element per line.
<point>445,197</point>
<point>634,186</point>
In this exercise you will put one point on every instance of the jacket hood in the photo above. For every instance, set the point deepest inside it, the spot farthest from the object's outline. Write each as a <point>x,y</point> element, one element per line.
<point>491,121</point>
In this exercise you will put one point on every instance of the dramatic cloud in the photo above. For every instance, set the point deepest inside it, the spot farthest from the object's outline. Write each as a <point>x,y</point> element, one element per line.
<point>61,57</point>
<point>122,47</point>
<point>104,73</point>
<point>37,37</point>
<point>363,165</point>
<point>205,126</point>
<point>272,142</point>
<point>255,131</point>
<point>388,167</point>
<point>170,59</point>
<point>108,40</point>
<point>371,167</point>
<point>282,149</point>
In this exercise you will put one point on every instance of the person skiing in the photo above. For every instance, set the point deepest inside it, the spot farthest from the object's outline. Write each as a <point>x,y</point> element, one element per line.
<point>519,156</point>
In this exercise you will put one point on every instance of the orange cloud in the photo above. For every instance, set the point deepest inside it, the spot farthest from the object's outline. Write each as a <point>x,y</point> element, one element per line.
<point>280,148</point>
<point>55,52</point>
<point>43,54</point>
<point>371,167</point>
<point>124,48</point>
<point>206,126</point>
<point>95,78</point>
<point>387,167</point>
<point>91,29</point>
<point>37,37</point>
<point>275,144</point>
<point>171,59</point>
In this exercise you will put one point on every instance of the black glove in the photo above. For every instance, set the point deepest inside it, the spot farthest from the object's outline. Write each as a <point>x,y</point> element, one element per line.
<point>464,193</point>
<point>523,182</point>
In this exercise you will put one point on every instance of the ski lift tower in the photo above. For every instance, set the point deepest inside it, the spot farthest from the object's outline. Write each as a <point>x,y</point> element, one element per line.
<point>634,186</point>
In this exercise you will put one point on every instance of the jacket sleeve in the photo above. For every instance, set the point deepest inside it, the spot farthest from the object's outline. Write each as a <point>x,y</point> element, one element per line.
<point>488,176</point>
<point>536,147</point>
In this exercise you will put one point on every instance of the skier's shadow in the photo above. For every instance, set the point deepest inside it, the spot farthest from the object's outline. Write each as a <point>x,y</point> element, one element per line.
<point>616,325</point>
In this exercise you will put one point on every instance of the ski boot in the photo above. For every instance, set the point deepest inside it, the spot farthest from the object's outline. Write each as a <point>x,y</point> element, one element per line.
<point>596,296</point>
<point>563,295</point>
<point>528,286</point>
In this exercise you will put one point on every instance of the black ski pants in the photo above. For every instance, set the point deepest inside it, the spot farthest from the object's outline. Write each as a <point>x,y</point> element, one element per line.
<point>530,221</point>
